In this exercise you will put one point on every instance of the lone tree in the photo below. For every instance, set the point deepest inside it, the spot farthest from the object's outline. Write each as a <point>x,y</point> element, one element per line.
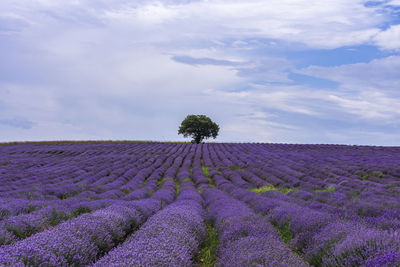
<point>198,127</point>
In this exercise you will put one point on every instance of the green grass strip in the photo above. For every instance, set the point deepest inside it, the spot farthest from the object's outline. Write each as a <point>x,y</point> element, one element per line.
<point>330,189</point>
<point>205,170</point>
<point>284,190</point>
<point>234,168</point>
<point>206,173</point>
<point>177,188</point>
<point>207,254</point>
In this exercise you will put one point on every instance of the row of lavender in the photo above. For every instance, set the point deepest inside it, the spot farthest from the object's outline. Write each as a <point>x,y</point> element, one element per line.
<point>83,240</point>
<point>22,218</point>
<point>327,227</point>
<point>332,205</point>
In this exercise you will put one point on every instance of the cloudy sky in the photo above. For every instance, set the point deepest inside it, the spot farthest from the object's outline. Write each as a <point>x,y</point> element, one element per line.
<point>282,71</point>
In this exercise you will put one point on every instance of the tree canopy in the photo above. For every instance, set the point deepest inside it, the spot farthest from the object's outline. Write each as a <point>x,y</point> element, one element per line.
<point>198,127</point>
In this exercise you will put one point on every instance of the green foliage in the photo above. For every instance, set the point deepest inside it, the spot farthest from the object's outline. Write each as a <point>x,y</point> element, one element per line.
<point>355,194</point>
<point>331,188</point>
<point>198,127</point>
<point>234,168</point>
<point>56,217</point>
<point>211,182</point>
<point>287,190</point>
<point>284,231</point>
<point>31,193</point>
<point>125,191</point>
<point>206,173</point>
<point>31,208</point>
<point>390,186</point>
<point>150,192</point>
<point>263,189</point>
<point>377,174</point>
<point>78,211</point>
<point>18,232</point>
<point>160,182</point>
<point>177,188</point>
<point>317,258</point>
<point>205,170</point>
<point>363,176</point>
<point>284,190</point>
<point>63,196</point>
<point>207,254</point>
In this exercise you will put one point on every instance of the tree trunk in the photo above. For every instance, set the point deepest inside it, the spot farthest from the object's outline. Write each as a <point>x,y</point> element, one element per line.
<point>198,139</point>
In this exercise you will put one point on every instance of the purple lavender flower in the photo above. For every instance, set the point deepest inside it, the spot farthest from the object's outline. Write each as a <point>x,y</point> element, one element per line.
<point>383,258</point>
<point>78,241</point>
<point>169,238</point>
<point>245,238</point>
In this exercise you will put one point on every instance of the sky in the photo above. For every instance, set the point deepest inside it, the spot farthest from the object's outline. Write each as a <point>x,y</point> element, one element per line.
<point>280,71</point>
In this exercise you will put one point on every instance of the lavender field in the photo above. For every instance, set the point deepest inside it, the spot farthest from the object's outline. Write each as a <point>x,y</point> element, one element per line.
<point>183,204</point>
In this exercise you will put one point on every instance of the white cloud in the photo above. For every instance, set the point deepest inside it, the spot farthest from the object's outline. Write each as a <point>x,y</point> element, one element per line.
<point>356,136</point>
<point>389,39</point>
<point>140,96</point>
<point>370,105</point>
<point>368,90</point>
<point>393,3</point>
<point>104,69</point>
<point>153,13</point>
<point>379,74</point>
<point>255,130</point>
<point>313,23</point>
